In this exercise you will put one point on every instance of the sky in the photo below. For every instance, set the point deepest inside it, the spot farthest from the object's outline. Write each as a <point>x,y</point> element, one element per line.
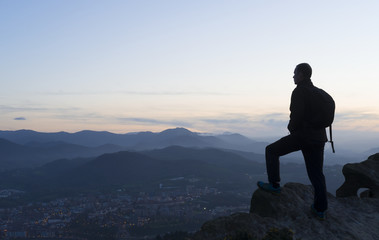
<point>206,65</point>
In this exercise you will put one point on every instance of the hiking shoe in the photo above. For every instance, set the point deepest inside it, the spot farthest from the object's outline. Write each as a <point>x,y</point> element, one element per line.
<point>269,188</point>
<point>319,215</point>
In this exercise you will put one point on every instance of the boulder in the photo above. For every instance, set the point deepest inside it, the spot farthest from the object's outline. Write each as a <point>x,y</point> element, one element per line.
<point>361,175</point>
<point>293,196</point>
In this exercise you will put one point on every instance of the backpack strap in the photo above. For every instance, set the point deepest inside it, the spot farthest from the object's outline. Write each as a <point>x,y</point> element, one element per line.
<point>331,138</point>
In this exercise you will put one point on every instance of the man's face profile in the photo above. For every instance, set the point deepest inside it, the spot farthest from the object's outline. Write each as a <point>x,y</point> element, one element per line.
<point>298,76</point>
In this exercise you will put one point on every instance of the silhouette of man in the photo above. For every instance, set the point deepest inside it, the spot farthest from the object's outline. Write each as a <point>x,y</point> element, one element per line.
<point>304,137</point>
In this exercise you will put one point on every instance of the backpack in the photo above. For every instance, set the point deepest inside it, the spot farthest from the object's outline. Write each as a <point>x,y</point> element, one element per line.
<point>323,109</point>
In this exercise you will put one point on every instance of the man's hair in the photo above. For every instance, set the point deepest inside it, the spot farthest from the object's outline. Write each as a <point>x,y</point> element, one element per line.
<point>306,69</point>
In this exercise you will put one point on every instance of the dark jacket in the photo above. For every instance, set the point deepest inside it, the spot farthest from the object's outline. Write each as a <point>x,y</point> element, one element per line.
<point>301,114</point>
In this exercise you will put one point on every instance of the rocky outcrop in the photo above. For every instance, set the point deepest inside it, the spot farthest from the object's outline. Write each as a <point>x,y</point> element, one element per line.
<point>288,215</point>
<point>348,218</point>
<point>361,175</point>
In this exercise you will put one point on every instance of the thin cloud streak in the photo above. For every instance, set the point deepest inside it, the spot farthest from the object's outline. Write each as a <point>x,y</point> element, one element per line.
<point>11,109</point>
<point>143,93</point>
<point>356,116</point>
<point>152,121</point>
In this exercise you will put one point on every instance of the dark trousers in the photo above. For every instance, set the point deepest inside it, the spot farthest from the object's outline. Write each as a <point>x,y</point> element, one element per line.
<point>313,152</point>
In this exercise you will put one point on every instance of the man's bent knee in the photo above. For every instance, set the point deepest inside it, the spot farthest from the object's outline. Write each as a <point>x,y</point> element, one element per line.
<point>269,149</point>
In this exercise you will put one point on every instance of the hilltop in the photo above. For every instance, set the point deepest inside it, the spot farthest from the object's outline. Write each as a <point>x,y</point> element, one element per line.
<point>349,217</point>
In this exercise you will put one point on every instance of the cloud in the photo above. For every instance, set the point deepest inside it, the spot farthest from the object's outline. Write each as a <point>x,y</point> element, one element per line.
<point>346,116</point>
<point>8,109</point>
<point>218,121</point>
<point>152,93</point>
<point>276,120</point>
<point>173,93</point>
<point>152,121</point>
<point>77,114</point>
<point>19,119</point>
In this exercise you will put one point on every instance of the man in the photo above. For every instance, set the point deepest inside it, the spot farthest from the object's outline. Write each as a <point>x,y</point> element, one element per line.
<point>303,136</point>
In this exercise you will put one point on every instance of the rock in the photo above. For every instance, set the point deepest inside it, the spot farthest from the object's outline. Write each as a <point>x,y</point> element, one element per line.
<point>361,175</point>
<point>347,218</point>
<point>366,194</point>
<point>288,215</point>
<point>270,205</point>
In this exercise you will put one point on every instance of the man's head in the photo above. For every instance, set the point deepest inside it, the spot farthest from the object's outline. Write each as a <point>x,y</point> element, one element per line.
<point>302,72</point>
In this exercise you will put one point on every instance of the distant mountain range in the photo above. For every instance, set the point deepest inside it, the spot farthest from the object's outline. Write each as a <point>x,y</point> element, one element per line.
<point>135,171</point>
<point>173,166</point>
<point>26,148</point>
<point>13,155</point>
<point>139,140</point>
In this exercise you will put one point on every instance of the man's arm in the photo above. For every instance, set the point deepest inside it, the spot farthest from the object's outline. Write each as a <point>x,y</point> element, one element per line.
<point>297,109</point>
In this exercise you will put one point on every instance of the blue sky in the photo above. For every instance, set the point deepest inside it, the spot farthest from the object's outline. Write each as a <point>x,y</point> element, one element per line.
<point>210,66</point>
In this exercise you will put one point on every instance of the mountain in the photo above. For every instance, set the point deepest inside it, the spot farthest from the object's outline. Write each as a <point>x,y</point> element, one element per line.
<point>239,142</point>
<point>84,138</point>
<point>121,168</point>
<point>31,149</point>
<point>139,140</point>
<point>147,170</point>
<point>209,155</point>
<point>178,136</point>
<point>33,154</point>
<point>136,171</point>
<point>12,154</point>
<point>150,168</point>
